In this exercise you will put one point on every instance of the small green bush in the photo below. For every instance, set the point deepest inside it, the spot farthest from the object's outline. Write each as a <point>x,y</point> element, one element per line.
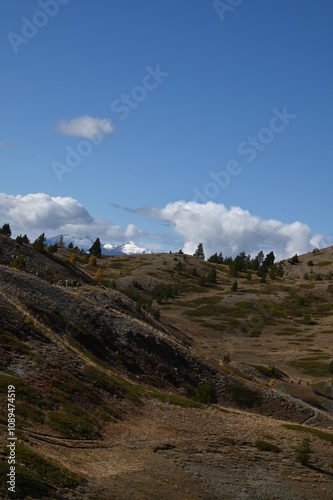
<point>206,393</point>
<point>18,263</point>
<point>226,359</point>
<point>303,452</point>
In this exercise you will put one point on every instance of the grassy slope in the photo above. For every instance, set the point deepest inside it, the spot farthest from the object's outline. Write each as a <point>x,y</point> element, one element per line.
<point>277,333</point>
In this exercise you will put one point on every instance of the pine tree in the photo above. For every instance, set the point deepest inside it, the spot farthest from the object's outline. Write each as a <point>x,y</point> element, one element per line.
<point>22,239</point>
<point>6,231</point>
<point>96,249</point>
<point>211,277</point>
<point>200,252</point>
<point>39,243</point>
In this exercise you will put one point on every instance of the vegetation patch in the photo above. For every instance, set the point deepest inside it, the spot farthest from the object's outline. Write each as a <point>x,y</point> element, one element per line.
<point>12,343</point>
<point>262,445</point>
<point>174,399</point>
<point>270,371</point>
<point>72,421</point>
<point>281,333</point>
<point>324,263</point>
<point>324,436</point>
<point>37,476</point>
<point>206,393</point>
<point>242,395</point>
<point>314,366</point>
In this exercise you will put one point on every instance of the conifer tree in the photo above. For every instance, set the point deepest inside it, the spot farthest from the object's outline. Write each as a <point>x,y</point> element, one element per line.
<point>96,249</point>
<point>6,231</point>
<point>199,252</point>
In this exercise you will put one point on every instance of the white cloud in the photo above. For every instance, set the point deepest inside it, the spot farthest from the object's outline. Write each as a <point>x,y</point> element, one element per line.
<point>85,126</point>
<point>36,213</point>
<point>234,230</point>
<point>217,227</point>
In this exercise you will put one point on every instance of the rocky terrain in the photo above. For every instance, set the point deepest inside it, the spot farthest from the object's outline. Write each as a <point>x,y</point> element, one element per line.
<point>139,380</point>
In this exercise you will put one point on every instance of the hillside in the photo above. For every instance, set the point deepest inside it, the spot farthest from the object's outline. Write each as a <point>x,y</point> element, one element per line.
<point>136,378</point>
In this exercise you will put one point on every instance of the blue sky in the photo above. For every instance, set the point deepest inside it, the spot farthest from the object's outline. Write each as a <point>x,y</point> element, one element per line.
<point>175,94</point>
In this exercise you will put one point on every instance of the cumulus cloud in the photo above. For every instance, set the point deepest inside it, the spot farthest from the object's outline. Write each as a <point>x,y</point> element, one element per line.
<point>36,213</point>
<point>85,127</point>
<point>234,230</point>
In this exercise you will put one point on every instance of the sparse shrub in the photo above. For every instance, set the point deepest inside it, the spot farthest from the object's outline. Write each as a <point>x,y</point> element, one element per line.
<point>266,446</point>
<point>185,342</point>
<point>97,275</point>
<point>272,273</point>
<point>92,261</point>
<point>206,393</point>
<point>179,267</point>
<point>310,263</point>
<point>234,287</point>
<point>73,258</point>
<point>202,281</point>
<point>330,366</point>
<point>194,272</point>
<point>303,452</point>
<point>249,276</point>
<point>18,263</point>
<point>242,395</point>
<point>294,260</point>
<point>279,271</point>
<point>226,359</point>
<point>211,277</point>
<point>52,248</point>
<point>156,314</point>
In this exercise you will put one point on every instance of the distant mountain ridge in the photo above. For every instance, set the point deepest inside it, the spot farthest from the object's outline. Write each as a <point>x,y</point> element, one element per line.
<point>127,248</point>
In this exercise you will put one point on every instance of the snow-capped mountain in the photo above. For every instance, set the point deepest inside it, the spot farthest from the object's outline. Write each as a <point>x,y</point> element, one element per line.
<point>128,248</point>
